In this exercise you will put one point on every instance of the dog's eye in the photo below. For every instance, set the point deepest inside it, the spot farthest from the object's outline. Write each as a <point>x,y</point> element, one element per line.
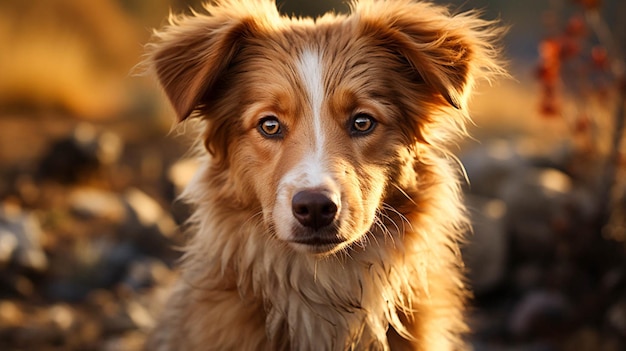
<point>270,127</point>
<point>362,124</point>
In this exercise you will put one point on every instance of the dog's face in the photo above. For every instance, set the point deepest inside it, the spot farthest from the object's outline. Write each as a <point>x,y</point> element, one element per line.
<point>318,123</point>
<point>316,138</point>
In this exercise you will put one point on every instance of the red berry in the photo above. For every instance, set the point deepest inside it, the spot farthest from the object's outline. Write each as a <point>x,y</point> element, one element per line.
<point>575,26</point>
<point>549,107</point>
<point>549,49</point>
<point>569,48</point>
<point>599,57</point>
<point>582,124</point>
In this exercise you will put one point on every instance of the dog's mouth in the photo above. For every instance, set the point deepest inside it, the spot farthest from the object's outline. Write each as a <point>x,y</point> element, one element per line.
<point>318,242</point>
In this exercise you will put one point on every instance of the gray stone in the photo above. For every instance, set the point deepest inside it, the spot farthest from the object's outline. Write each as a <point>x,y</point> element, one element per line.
<point>537,200</point>
<point>538,312</point>
<point>489,166</point>
<point>485,255</point>
<point>20,238</point>
<point>148,213</point>
<point>616,317</point>
<point>99,204</point>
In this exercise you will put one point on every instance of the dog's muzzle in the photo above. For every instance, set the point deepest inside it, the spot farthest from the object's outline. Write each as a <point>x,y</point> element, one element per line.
<point>317,213</point>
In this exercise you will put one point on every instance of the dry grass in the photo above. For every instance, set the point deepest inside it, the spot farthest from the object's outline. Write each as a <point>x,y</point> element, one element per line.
<point>66,54</point>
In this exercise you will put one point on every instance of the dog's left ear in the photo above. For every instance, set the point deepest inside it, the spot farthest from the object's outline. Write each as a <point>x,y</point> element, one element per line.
<point>448,51</point>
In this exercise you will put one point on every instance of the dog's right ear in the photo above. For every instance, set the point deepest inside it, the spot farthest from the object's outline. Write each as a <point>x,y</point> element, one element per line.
<point>190,54</point>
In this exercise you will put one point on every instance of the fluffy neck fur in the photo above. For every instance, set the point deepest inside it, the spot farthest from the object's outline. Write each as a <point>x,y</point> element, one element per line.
<point>356,295</point>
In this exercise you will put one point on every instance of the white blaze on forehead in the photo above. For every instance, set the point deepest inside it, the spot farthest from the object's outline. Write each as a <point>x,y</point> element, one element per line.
<point>312,171</point>
<point>311,72</point>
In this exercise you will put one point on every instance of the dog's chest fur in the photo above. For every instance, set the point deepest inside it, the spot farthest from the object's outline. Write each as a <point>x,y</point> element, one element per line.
<point>355,301</point>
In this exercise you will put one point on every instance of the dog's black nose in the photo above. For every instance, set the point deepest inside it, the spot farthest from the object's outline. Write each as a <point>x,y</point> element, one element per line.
<point>313,209</point>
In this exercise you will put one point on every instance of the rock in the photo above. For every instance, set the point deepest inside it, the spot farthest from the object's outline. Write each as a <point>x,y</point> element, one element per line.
<point>99,204</point>
<point>100,263</point>
<point>110,147</point>
<point>140,316</point>
<point>115,261</point>
<point>131,228</point>
<point>129,341</point>
<point>62,316</point>
<point>591,339</point>
<point>489,166</point>
<point>148,213</point>
<point>35,336</point>
<point>121,312</point>
<point>616,317</point>
<point>72,158</point>
<point>152,229</point>
<point>537,200</point>
<point>485,255</point>
<point>46,327</point>
<point>146,273</point>
<point>181,173</point>
<point>539,313</point>
<point>11,315</point>
<point>80,155</point>
<point>16,283</point>
<point>20,238</point>
<point>8,245</point>
<point>67,289</point>
<point>528,276</point>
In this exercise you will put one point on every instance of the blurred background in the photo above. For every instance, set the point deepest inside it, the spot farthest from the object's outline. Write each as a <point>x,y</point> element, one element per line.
<point>90,166</point>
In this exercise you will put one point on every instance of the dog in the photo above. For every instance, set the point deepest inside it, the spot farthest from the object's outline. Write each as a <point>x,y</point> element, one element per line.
<point>327,208</point>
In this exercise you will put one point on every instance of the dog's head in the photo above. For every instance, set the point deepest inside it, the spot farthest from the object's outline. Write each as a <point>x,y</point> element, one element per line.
<point>318,122</point>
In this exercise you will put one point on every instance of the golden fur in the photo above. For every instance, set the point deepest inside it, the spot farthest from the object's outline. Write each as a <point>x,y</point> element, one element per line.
<point>393,278</point>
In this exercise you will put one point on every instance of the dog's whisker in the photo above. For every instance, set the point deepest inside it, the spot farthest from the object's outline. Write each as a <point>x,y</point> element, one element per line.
<point>385,217</point>
<point>252,218</point>
<point>402,217</point>
<point>403,192</point>
<point>391,221</point>
<point>393,209</point>
<point>383,229</point>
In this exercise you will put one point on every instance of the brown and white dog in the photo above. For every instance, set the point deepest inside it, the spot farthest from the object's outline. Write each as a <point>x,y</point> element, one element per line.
<point>327,209</point>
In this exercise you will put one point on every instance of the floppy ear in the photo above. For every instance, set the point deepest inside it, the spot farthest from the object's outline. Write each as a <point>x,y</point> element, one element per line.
<point>449,52</point>
<point>192,52</point>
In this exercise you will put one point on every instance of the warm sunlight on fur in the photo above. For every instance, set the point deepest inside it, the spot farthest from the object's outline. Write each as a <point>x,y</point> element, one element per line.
<point>328,213</point>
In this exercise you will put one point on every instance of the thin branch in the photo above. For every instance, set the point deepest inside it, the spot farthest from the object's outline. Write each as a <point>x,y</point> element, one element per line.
<point>609,177</point>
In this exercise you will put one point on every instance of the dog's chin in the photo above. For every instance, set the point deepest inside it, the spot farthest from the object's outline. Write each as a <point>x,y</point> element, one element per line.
<point>317,247</point>
<point>323,242</point>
